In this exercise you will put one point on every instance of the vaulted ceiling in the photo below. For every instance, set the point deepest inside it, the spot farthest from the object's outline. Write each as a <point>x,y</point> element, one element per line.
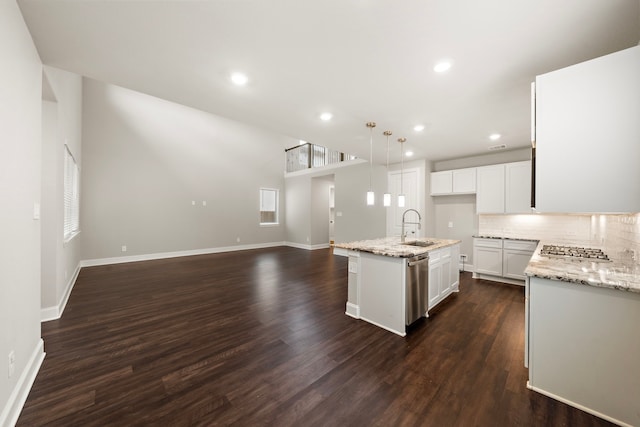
<point>361,60</point>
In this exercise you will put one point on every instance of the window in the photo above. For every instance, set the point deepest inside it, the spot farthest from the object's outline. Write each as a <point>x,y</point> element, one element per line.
<point>71,196</point>
<point>268,206</point>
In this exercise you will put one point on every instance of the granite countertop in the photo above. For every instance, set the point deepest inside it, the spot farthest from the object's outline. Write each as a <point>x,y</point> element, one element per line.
<point>391,246</point>
<point>622,272</point>
<point>504,238</point>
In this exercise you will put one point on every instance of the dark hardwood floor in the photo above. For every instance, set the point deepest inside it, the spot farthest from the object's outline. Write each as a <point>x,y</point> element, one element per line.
<point>260,338</point>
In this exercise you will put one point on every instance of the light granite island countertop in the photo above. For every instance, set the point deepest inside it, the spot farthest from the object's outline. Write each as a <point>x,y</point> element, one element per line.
<point>582,333</point>
<point>392,284</point>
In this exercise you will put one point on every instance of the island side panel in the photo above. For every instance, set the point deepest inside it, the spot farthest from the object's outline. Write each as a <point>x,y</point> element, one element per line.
<point>382,291</point>
<point>584,347</point>
<point>353,293</point>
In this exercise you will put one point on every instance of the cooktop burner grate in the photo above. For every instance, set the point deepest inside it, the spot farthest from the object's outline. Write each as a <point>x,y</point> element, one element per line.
<point>589,254</point>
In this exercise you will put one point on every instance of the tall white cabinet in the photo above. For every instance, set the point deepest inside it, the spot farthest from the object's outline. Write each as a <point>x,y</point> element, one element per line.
<point>504,188</point>
<point>587,129</point>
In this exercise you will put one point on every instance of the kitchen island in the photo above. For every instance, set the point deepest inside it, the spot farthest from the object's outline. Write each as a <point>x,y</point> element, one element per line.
<point>582,328</point>
<point>380,269</point>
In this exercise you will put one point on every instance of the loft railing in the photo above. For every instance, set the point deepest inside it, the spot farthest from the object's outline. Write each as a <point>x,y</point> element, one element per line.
<point>307,156</point>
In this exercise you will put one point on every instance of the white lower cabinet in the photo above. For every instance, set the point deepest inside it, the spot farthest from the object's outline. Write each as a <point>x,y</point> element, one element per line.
<point>502,259</point>
<point>444,276</point>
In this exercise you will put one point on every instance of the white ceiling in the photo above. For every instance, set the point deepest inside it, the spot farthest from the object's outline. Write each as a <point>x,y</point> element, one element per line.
<point>362,60</point>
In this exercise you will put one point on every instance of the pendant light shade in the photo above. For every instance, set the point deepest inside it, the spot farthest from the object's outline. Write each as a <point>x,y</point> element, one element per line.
<point>401,198</point>
<point>386,198</point>
<point>370,195</point>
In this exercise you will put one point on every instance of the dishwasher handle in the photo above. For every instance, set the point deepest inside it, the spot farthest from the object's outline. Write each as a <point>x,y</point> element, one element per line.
<point>418,262</point>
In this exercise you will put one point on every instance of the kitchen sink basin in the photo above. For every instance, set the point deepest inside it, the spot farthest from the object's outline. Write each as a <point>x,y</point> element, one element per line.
<point>420,243</point>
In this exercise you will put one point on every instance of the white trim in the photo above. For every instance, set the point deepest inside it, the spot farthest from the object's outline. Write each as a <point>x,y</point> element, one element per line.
<point>402,334</point>
<point>467,267</point>
<point>577,405</point>
<point>164,255</point>
<point>498,279</point>
<point>55,312</point>
<point>18,397</point>
<point>352,310</point>
<point>322,170</point>
<point>341,252</point>
<point>307,247</point>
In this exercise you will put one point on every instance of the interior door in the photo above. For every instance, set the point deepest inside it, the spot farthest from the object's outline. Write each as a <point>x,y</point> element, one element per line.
<point>410,187</point>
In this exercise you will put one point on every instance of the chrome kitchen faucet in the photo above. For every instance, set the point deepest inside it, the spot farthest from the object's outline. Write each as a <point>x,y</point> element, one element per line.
<point>402,234</point>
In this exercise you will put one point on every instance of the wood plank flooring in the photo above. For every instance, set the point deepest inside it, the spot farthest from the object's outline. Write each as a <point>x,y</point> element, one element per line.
<point>260,338</point>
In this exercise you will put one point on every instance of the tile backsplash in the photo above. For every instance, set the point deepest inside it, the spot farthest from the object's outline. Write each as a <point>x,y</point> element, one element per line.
<point>618,233</point>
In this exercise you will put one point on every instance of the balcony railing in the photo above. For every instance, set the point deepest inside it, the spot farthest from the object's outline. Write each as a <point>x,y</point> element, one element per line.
<point>307,156</point>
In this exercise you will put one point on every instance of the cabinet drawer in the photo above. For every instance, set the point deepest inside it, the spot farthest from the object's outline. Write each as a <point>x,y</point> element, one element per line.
<point>520,245</point>
<point>487,243</point>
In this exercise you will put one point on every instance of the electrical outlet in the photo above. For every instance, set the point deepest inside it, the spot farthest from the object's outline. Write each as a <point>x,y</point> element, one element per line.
<point>463,257</point>
<point>124,248</point>
<point>12,363</point>
<point>238,239</point>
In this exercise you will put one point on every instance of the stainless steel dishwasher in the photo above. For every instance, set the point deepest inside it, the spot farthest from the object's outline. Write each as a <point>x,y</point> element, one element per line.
<point>417,287</point>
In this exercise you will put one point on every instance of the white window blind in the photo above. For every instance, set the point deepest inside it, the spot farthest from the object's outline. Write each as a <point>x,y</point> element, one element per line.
<point>268,206</point>
<point>71,195</point>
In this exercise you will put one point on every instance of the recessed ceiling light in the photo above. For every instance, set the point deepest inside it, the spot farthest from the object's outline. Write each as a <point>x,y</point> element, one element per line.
<point>442,66</point>
<point>494,136</point>
<point>239,79</point>
<point>418,128</point>
<point>409,153</point>
<point>326,116</point>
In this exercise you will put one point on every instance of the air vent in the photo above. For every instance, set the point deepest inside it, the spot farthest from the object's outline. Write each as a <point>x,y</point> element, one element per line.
<point>497,147</point>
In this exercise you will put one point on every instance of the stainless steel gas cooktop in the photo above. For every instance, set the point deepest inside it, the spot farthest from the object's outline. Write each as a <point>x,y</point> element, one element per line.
<point>574,252</point>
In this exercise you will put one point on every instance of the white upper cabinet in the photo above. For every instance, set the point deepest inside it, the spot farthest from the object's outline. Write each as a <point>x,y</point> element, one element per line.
<point>517,187</point>
<point>504,188</point>
<point>587,120</point>
<point>464,181</point>
<point>458,181</point>
<point>441,183</point>
<point>490,189</point>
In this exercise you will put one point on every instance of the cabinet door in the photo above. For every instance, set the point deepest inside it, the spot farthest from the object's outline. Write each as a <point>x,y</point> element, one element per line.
<point>454,278</point>
<point>490,184</point>
<point>488,260</point>
<point>445,278</point>
<point>441,183</point>
<point>514,263</point>
<point>518,187</point>
<point>587,129</point>
<point>464,181</point>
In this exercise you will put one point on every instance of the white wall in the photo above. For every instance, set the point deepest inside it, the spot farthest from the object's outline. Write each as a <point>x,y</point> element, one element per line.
<point>62,124</point>
<point>298,210</point>
<point>145,160</point>
<point>20,144</point>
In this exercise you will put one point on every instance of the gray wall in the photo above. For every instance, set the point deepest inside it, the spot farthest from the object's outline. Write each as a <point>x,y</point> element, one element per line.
<point>145,160</point>
<point>320,192</point>
<point>61,125</point>
<point>20,142</point>
<point>298,209</point>
<point>358,221</point>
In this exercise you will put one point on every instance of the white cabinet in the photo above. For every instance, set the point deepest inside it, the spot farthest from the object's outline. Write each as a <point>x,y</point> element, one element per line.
<point>587,136</point>
<point>444,276</point>
<point>458,181</point>
<point>490,189</point>
<point>515,257</point>
<point>441,183</point>
<point>464,181</point>
<point>517,187</point>
<point>487,256</point>
<point>502,260</point>
<point>504,188</point>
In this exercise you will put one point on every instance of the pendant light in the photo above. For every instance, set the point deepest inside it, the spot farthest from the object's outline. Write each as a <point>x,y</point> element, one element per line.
<point>386,198</point>
<point>370,195</point>
<point>401,198</point>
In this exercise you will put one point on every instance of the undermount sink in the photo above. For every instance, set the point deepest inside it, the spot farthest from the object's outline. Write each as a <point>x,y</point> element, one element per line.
<point>419,243</point>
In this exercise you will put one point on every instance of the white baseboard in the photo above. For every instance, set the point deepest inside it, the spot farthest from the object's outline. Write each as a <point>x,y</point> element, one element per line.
<point>307,247</point>
<point>17,398</point>
<point>353,310</point>
<point>164,255</point>
<point>466,267</point>
<point>577,405</point>
<point>55,312</point>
